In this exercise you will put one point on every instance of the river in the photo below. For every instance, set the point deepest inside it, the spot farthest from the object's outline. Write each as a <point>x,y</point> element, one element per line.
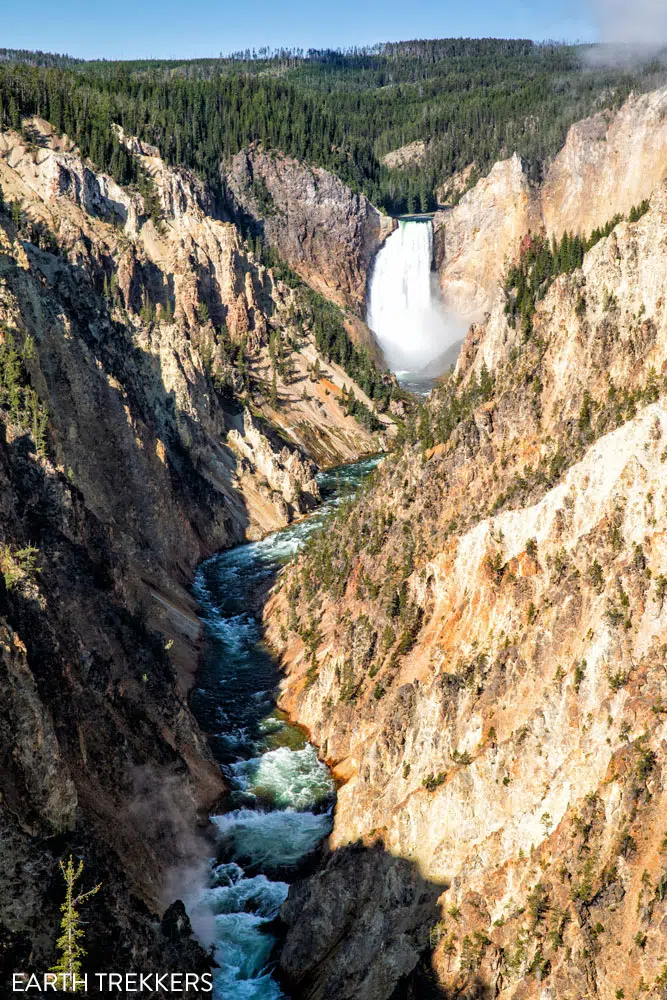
<point>281,797</point>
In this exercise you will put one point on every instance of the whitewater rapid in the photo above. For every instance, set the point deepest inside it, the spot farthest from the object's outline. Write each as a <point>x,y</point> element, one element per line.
<point>282,795</point>
<point>404,308</point>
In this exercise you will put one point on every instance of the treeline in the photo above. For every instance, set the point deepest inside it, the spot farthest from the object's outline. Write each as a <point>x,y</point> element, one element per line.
<point>38,58</point>
<point>85,116</point>
<point>470,100</point>
<point>195,123</point>
<point>542,260</point>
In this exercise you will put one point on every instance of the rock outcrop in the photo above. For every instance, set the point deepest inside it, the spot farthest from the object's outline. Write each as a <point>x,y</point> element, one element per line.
<point>492,691</point>
<point>608,164</point>
<point>285,471</point>
<point>327,234</point>
<point>406,156</point>
<point>473,240</point>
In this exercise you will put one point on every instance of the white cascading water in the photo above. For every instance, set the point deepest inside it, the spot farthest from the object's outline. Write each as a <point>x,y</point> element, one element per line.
<point>280,803</point>
<point>404,310</point>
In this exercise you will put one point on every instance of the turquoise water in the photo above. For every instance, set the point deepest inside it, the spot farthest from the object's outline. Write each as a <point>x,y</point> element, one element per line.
<point>281,796</point>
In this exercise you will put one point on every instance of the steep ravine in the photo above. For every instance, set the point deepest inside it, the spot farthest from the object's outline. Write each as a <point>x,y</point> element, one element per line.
<point>162,397</point>
<point>278,810</point>
<point>478,648</point>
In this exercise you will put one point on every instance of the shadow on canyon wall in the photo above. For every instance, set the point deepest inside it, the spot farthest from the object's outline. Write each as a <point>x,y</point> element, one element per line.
<point>90,698</point>
<point>363,928</point>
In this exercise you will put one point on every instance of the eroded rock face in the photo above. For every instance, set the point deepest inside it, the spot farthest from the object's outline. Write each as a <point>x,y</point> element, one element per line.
<point>189,259</point>
<point>608,164</point>
<point>136,461</point>
<point>492,689</point>
<point>611,314</point>
<point>473,240</point>
<point>90,704</point>
<point>325,232</point>
<point>363,903</point>
<point>285,471</point>
<point>38,786</point>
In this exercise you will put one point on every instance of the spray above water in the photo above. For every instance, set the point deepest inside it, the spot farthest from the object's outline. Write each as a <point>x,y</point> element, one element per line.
<point>404,310</point>
<point>630,33</point>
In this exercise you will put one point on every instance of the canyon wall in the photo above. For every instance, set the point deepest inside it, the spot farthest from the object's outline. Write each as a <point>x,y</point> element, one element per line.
<point>162,397</point>
<point>325,232</point>
<point>473,240</point>
<point>608,164</point>
<point>478,648</point>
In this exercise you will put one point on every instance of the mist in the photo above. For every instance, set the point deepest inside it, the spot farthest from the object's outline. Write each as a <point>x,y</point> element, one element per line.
<point>631,33</point>
<point>163,810</point>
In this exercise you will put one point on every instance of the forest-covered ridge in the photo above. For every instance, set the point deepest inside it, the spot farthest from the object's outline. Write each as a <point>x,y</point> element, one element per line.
<point>469,100</point>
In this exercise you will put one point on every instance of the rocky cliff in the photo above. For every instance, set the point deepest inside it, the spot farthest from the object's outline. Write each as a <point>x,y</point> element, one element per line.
<point>473,240</point>
<point>491,692</point>
<point>325,232</point>
<point>608,164</point>
<point>161,397</point>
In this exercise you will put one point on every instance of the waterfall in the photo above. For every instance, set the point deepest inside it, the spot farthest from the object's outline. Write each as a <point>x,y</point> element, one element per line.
<point>404,310</point>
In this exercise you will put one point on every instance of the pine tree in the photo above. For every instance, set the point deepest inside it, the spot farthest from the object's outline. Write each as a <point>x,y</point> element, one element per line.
<point>114,290</point>
<point>11,378</point>
<point>485,382</point>
<point>69,944</point>
<point>14,114</point>
<point>147,312</point>
<point>424,429</point>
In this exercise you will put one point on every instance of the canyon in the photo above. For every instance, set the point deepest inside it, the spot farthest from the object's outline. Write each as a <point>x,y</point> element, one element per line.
<point>477,647</point>
<point>474,642</point>
<point>165,398</point>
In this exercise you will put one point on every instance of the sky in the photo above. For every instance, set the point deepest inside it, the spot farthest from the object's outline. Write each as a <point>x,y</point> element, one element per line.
<point>180,29</point>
